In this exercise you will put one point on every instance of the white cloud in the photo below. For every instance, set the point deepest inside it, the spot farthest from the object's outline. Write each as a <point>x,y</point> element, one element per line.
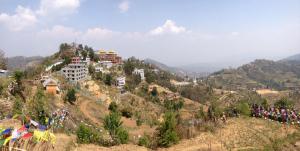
<point>24,17</point>
<point>98,33</point>
<point>168,27</point>
<point>59,31</point>
<point>58,7</point>
<point>124,6</point>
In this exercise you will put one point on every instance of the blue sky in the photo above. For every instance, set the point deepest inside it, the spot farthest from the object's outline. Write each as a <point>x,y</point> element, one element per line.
<point>191,31</point>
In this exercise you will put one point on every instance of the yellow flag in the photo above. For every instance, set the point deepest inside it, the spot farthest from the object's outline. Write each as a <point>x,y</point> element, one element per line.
<point>7,140</point>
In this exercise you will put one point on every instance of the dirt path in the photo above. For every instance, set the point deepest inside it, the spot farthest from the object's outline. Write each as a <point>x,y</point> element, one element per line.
<point>83,106</point>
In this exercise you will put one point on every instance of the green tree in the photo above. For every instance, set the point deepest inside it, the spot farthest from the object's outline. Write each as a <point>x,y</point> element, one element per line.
<point>71,96</point>
<point>113,124</point>
<point>84,54</point>
<point>128,67</point>
<point>18,88</point>
<point>91,69</point>
<point>2,60</point>
<point>243,108</point>
<point>108,79</point>
<point>18,76</point>
<point>167,135</point>
<point>150,77</point>
<point>39,106</point>
<point>86,135</point>
<point>17,107</point>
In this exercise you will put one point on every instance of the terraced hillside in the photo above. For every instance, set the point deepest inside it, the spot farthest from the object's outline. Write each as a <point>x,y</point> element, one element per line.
<point>259,74</point>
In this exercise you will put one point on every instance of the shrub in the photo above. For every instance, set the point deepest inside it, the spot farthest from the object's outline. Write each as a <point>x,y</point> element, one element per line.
<point>139,122</point>
<point>113,107</point>
<point>284,103</point>
<point>201,114</point>
<point>167,135</point>
<point>113,124</point>
<point>173,105</point>
<point>71,96</point>
<point>39,107</point>
<point>122,136</point>
<point>108,79</point>
<point>243,108</point>
<point>214,111</point>
<point>17,107</point>
<point>144,141</point>
<point>86,135</point>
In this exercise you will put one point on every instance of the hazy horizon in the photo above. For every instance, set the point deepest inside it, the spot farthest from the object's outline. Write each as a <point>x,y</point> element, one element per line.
<point>173,32</point>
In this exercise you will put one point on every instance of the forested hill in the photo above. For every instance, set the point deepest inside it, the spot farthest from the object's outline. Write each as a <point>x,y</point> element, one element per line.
<point>21,62</point>
<point>284,74</point>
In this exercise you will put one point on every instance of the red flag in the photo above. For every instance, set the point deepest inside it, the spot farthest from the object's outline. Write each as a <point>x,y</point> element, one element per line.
<point>27,135</point>
<point>23,128</point>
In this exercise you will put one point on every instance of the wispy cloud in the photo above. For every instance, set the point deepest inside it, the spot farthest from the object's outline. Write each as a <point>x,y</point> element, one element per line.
<point>48,7</point>
<point>124,6</point>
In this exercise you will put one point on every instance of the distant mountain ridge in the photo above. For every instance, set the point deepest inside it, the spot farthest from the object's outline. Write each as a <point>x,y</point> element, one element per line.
<point>193,70</point>
<point>292,58</point>
<point>174,70</point>
<point>283,74</point>
<point>21,62</point>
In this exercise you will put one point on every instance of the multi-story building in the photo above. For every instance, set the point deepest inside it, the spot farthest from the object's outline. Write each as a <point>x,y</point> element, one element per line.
<point>76,71</point>
<point>139,72</point>
<point>110,56</point>
<point>120,82</point>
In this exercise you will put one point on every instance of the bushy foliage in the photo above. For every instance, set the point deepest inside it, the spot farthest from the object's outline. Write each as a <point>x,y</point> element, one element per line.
<point>122,136</point>
<point>108,79</point>
<point>91,70</point>
<point>214,111</point>
<point>129,67</point>
<point>113,124</point>
<point>243,108</point>
<point>284,103</point>
<point>71,96</point>
<point>39,109</point>
<point>17,106</point>
<point>167,135</point>
<point>113,107</point>
<point>133,81</point>
<point>145,141</point>
<point>85,135</point>
<point>2,60</point>
<point>201,114</point>
<point>173,105</point>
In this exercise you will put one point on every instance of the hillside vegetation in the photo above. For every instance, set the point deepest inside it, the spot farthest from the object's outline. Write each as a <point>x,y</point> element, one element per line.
<point>280,75</point>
